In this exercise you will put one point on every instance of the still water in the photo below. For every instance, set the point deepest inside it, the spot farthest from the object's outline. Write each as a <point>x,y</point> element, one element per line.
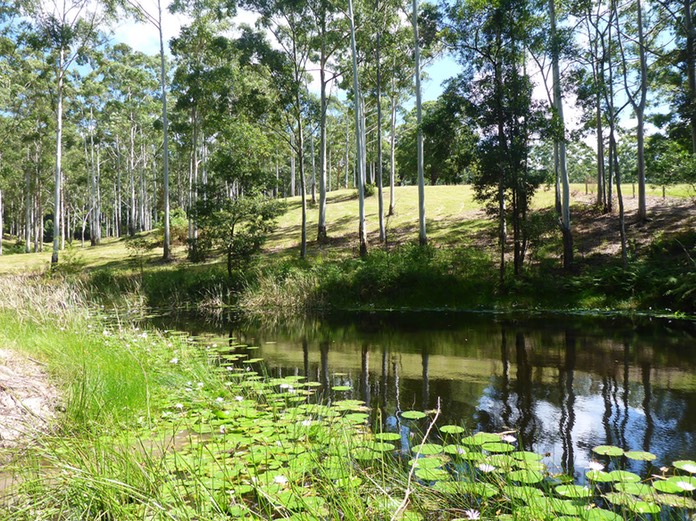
<point>564,384</point>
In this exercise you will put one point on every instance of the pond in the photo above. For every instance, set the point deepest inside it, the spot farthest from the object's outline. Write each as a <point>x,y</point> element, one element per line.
<point>563,384</point>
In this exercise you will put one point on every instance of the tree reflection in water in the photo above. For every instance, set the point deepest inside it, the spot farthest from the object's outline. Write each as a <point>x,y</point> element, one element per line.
<point>568,384</point>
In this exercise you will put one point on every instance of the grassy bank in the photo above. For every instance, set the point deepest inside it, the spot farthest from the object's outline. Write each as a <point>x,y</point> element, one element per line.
<point>458,270</point>
<point>157,428</point>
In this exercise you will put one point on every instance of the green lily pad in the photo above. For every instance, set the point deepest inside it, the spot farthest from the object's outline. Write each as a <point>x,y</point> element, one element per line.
<point>573,491</point>
<point>525,455</point>
<point>619,498</point>
<point>451,429</point>
<point>668,487</point>
<point>427,463</point>
<point>497,447</point>
<point>599,514</point>
<point>685,483</point>
<point>527,477</point>
<point>645,507</point>
<point>380,446</point>
<point>635,489</point>
<point>413,415</point>
<point>433,474</point>
<point>624,476</point>
<point>427,449</point>
<point>365,454</point>
<point>599,476</point>
<point>521,492</point>
<point>341,388</point>
<point>481,490</point>
<point>455,450</point>
<point>686,465</point>
<point>640,455</point>
<point>608,450</point>
<point>670,500</point>
<point>480,438</point>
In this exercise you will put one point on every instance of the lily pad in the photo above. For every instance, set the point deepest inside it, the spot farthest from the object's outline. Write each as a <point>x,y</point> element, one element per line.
<point>624,476</point>
<point>599,514</point>
<point>341,388</point>
<point>668,487</point>
<point>413,415</point>
<point>573,491</point>
<point>433,474</point>
<point>599,476</point>
<point>498,447</point>
<point>670,500</point>
<point>455,450</point>
<point>522,492</point>
<point>686,465</point>
<point>640,455</point>
<point>480,438</point>
<point>525,455</point>
<point>608,450</point>
<point>427,449</point>
<point>635,489</point>
<point>645,507</point>
<point>527,477</point>
<point>451,429</point>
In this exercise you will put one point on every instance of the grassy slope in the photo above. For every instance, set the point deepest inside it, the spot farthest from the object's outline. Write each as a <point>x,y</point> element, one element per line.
<point>457,226</point>
<point>451,212</point>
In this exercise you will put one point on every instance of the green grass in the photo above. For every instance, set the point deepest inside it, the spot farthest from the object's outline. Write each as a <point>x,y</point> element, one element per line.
<point>459,271</point>
<point>171,430</point>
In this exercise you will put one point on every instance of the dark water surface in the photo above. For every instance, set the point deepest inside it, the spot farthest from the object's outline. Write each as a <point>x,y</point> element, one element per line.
<point>565,384</point>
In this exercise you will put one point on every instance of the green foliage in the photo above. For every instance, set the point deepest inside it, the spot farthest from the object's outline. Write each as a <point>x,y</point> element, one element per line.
<point>73,261</point>
<point>138,247</point>
<point>239,227</point>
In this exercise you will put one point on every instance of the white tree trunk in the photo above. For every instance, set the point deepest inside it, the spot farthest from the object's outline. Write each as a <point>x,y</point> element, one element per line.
<point>165,130</point>
<point>422,236</point>
<point>59,159</point>
<point>360,159</point>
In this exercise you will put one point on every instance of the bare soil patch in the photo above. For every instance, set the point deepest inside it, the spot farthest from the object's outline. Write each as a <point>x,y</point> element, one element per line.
<point>27,400</point>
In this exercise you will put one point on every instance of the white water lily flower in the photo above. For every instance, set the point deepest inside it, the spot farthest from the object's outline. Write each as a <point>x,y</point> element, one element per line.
<point>239,398</point>
<point>485,467</point>
<point>174,361</point>
<point>306,423</point>
<point>223,429</point>
<point>508,439</point>
<point>595,465</point>
<point>219,399</point>
<point>280,479</point>
<point>179,406</point>
<point>472,514</point>
<point>687,487</point>
<point>199,385</point>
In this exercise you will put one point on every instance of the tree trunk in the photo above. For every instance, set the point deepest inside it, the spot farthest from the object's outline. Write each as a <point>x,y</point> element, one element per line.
<point>321,226</point>
<point>59,159</point>
<point>690,56</point>
<point>380,194</point>
<point>360,159</point>
<point>422,237</point>
<point>562,170</point>
<point>640,114</point>
<point>392,155</point>
<point>166,255</point>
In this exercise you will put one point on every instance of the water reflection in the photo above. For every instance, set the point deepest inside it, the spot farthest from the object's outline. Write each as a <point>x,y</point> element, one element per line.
<point>564,385</point>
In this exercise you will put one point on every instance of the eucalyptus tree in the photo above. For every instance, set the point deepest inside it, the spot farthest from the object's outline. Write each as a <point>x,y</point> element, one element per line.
<point>328,39</point>
<point>292,27</point>
<point>490,41</point>
<point>556,45</point>
<point>153,16</point>
<point>66,30</point>
<point>129,120</point>
<point>360,150</point>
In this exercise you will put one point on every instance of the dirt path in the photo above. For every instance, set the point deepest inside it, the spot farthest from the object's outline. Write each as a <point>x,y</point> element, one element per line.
<point>27,400</point>
<point>27,405</point>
